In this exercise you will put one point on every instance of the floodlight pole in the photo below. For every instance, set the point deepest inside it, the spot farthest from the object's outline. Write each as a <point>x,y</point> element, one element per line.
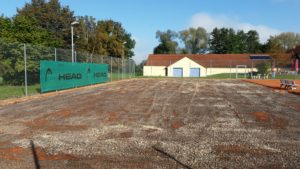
<point>72,38</point>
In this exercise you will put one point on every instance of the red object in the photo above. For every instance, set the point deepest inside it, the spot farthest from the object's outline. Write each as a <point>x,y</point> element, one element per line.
<point>293,65</point>
<point>297,65</point>
<point>206,60</point>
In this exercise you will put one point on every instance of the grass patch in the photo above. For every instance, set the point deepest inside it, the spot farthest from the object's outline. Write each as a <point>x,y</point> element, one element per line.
<point>1,81</point>
<point>225,76</point>
<point>287,77</point>
<point>17,91</point>
<point>117,76</point>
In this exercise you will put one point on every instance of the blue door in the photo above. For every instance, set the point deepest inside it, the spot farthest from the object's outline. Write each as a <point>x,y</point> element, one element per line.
<point>177,72</point>
<point>194,72</point>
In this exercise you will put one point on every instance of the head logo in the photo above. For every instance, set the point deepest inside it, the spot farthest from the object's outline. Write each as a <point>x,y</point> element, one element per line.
<point>48,72</point>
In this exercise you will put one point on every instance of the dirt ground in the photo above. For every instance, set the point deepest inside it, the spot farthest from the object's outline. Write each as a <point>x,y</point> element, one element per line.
<point>274,84</point>
<point>154,123</point>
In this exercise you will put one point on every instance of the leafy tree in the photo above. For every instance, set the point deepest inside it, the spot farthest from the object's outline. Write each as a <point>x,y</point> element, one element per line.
<point>113,40</point>
<point>6,25</point>
<point>195,40</point>
<point>12,58</point>
<point>86,40</point>
<point>26,31</point>
<point>277,51</point>
<point>217,41</point>
<point>167,45</point>
<point>51,16</point>
<point>229,41</point>
<point>287,40</point>
<point>252,42</point>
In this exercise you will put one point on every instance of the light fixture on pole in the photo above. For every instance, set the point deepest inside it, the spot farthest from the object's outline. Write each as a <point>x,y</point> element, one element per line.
<point>72,34</point>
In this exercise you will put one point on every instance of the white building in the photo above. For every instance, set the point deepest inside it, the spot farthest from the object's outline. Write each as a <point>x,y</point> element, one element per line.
<point>186,65</point>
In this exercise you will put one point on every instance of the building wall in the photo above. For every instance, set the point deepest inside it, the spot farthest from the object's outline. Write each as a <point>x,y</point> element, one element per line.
<point>214,71</point>
<point>154,71</point>
<point>186,64</point>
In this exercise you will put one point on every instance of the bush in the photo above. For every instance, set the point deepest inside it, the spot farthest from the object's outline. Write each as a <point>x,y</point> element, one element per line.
<point>264,68</point>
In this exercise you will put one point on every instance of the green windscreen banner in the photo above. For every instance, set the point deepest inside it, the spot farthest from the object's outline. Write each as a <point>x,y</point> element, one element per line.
<point>64,75</point>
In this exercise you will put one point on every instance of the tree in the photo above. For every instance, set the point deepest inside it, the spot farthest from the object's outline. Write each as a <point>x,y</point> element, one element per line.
<point>252,42</point>
<point>86,40</point>
<point>195,40</point>
<point>277,51</point>
<point>51,16</point>
<point>6,25</point>
<point>113,40</point>
<point>12,58</point>
<point>25,31</point>
<point>217,41</point>
<point>167,45</point>
<point>229,41</point>
<point>287,40</point>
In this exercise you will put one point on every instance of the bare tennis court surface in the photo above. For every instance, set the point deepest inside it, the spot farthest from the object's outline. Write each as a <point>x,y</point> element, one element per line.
<point>155,123</point>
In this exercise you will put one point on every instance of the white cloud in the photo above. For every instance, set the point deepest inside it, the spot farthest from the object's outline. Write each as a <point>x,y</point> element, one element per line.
<point>209,22</point>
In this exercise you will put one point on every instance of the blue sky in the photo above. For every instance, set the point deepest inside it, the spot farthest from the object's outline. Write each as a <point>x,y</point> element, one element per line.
<point>142,18</point>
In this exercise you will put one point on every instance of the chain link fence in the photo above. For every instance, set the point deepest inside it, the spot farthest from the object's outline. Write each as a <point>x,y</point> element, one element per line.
<point>19,64</point>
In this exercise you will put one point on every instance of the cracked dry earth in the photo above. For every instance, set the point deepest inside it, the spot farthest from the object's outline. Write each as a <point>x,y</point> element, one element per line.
<point>155,123</point>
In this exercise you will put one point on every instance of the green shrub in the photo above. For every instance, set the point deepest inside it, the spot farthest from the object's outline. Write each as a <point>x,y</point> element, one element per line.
<point>264,68</point>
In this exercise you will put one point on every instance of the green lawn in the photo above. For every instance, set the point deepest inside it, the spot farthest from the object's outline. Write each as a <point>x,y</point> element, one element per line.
<point>225,76</point>
<point>17,91</point>
<point>116,76</point>
<point>287,77</point>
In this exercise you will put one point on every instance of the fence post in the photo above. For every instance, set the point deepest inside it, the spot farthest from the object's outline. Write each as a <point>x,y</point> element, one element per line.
<point>134,69</point>
<point>25,64</point>
<point>118,59</point>
<point>111,73</point>
<point>230,69</point>
<point>55,57</point>
<point>251,69</point>
<point>122,68</point>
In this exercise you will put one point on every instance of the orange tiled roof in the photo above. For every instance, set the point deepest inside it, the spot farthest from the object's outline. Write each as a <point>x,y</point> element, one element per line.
<point>206,60</point>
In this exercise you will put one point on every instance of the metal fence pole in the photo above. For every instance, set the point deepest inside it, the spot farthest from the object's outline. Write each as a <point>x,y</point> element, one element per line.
<point>118,59</point>
<point>111,73</point>
<point>134,69</point>
<point>251,69</point>
<point>122,68</point>
<point>230,69</point>
<point>131,69</point>
<point>25,64</point>
<point>55,57</point>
